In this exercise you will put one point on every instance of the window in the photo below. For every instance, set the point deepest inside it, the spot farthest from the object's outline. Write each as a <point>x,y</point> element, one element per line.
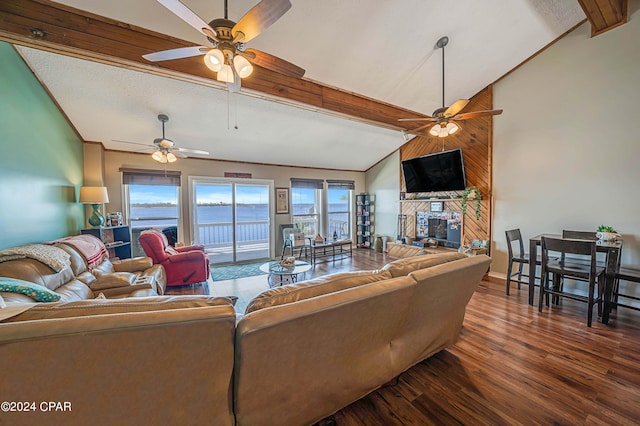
<point>152,200</point>
<point>339,212</point>
<point>306,202</point>
<point>231,218</point>
<point>308,197</point>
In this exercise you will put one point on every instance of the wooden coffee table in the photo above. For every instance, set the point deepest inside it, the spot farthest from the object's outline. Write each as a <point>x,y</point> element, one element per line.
<point>287,275</point>
<point>330,249</point>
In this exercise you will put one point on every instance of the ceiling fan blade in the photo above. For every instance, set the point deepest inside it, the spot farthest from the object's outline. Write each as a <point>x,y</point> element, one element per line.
<point>179,154</point>
<point>476,114</point>
<point>188,16</point>
<point>273,63</point>
<point>455,108</point>
<point>417,129</point>
<point>191,151</point>
<point>182,52</point>
<point>418,119</point>
<point>134,143</point>
<point>258,18</point>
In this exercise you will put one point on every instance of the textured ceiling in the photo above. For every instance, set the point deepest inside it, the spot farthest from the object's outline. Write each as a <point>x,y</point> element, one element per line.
<point>380,49</point>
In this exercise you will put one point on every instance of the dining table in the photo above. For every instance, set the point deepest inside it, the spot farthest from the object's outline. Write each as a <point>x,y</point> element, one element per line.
<point>611,248</point>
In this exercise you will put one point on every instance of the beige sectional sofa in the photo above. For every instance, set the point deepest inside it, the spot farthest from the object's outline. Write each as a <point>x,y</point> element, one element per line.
<point>300,353</point>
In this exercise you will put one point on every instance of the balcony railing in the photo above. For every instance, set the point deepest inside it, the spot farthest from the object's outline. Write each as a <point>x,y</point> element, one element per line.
<point>218,237</point>
<point>221,233</point>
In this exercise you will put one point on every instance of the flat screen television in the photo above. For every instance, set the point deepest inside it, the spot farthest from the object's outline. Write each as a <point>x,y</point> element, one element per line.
<point>442,171</point>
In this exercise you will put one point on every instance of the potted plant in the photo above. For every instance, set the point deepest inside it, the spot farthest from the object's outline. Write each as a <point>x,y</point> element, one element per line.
<point>607,233</point>
<point>470,193</point>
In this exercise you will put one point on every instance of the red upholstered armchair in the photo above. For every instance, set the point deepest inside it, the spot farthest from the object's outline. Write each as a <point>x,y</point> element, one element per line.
<point>183,265</point>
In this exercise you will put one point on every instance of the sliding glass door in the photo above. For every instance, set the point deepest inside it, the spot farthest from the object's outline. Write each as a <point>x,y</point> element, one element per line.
<point>231,218</point>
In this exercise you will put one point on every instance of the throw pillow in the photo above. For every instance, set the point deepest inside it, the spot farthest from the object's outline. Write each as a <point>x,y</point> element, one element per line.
<point>171,250</point>
<point>35,291</point>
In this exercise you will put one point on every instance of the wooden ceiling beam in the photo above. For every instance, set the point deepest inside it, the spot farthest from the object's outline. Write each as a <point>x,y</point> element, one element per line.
<point>605,15</point>
<point>58,28</point>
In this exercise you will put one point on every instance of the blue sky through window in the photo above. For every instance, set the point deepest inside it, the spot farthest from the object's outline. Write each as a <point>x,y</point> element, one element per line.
<point>246,194</point>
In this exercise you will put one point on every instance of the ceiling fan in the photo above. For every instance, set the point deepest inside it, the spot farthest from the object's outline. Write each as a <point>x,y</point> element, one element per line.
<point>228,56</point>
<point>165,150</point>
<point>446,119</point>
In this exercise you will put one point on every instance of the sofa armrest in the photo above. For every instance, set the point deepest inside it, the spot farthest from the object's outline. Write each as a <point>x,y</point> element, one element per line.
<point>135,264</point>
<point>124,352</point>
<point>182,249</point>
<point>124,291</point>
<point>188,256</point>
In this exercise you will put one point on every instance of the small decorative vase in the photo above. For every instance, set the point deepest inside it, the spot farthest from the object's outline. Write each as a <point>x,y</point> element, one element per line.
<point>607,236</point>
<point>96,220</point>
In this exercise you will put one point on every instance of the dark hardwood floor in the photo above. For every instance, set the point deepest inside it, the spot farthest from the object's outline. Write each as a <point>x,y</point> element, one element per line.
<point>512,366</point>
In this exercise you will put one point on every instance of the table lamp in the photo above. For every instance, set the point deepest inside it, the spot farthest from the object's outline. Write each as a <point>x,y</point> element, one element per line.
<point>94,195</point>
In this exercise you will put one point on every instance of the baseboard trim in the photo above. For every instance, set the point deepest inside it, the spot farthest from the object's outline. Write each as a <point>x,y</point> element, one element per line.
<point>496,278</point>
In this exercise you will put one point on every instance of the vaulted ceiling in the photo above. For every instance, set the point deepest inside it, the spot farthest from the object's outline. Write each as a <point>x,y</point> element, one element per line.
<point>367,64</point>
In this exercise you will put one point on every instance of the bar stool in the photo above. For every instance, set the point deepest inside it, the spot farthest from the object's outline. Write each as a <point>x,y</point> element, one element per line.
<point>521,258</point>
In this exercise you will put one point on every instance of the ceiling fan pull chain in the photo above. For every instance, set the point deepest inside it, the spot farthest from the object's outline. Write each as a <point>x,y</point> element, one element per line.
<point>228,111</point>
<point>235,111</point>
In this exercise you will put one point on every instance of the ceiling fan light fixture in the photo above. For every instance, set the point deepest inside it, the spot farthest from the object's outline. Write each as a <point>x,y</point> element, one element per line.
<point>159,156</point>
<point>225,74</point>
<point>214,60</point>
<point>443,130</point>
<point>452,128</point>
<point>243,67</point>
<point>171,158</point>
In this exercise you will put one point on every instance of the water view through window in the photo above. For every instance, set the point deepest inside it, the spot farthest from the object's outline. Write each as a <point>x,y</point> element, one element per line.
<point>232,220</point>
<point>151,206</point>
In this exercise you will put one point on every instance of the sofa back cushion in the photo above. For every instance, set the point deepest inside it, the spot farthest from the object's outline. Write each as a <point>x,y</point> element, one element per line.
<point>401,251</point>
<point>78,264</point>
<point>35,272</point>
<point>434,316</point>
<point>402,267</point>
<point>319,354</point>
<point>117,306</point>
<point>313,288</point>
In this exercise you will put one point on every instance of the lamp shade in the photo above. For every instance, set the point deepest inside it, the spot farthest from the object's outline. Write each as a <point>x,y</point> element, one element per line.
<point>94,195</point>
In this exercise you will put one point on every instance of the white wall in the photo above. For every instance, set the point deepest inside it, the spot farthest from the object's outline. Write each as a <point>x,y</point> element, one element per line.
<point>566,150</point>
<point>383,182</point>
<point>281,175</point>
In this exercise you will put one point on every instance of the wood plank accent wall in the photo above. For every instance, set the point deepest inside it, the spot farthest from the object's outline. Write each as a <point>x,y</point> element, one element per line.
<point>62,29</point>
<point>605,15</point>
<point>475,139</point>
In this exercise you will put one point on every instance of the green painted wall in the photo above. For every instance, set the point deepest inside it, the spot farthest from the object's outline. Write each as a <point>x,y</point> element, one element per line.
<point>40,160</point>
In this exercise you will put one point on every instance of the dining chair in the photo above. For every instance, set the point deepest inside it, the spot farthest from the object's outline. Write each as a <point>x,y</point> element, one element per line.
<point>581,265</point>
<point>591,236</point>
<point>514,237</point>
